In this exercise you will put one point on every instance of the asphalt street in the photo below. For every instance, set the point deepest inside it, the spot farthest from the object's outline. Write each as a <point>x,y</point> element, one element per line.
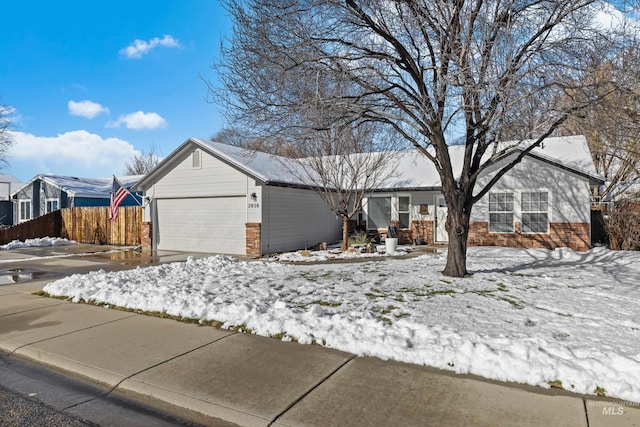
<point>31,395</point>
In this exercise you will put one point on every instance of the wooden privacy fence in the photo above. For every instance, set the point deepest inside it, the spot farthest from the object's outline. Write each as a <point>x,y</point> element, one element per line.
<point>46,225</point>
<point>92,225</point>
<point>84,225</point>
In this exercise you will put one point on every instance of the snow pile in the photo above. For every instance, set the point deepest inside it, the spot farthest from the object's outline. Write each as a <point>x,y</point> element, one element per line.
<point>335,254</point>
<point>527,316</point>
<point>38,242</point>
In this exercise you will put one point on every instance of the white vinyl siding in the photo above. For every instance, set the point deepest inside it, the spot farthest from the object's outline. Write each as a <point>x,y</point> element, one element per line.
<point>296,219</point>
<point>501,211</point>
<point>569,194</point>
<point>215,178</point>
<point>535,212</point>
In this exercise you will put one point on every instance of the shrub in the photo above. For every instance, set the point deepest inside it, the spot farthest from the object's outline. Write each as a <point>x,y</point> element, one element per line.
<point>622,225</point>
<point>359,238</point>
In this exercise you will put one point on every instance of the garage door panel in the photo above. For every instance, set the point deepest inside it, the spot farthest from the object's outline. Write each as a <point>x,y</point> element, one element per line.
<point>213,225</point>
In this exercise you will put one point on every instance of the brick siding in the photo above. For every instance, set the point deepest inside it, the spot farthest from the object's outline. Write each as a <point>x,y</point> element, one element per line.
<point>573,235</point>
<point>146,234</point>
<point>424,230</point>
<point>253,238</point>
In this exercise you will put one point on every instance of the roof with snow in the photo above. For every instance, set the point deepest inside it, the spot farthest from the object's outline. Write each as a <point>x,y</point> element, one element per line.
<point>8,184</point>
<point>571,153</point>
<point>413,169</point>
<point>83,187</point>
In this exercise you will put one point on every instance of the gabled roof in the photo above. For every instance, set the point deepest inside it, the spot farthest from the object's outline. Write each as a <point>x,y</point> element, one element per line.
<point>264,167</point>
<point>8,184</point>
<point>82,187</point>
<point>570,153</point>
<point>414,170</point>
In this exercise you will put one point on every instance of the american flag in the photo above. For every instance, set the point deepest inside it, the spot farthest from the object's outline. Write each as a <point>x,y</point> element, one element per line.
<point>118,194</point>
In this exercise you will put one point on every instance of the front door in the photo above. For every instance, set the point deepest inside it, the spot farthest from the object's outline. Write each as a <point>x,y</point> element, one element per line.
<point>441,220</point>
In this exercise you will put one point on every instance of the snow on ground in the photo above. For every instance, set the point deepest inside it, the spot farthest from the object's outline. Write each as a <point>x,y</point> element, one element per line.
<point>527,316</point>
<point>38,242</point>
<point>336,253</point>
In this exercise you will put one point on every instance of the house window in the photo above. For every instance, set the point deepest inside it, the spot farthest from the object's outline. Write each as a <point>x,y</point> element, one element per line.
<point>379,212</point>
<point>24,207</point>
<point>501,212</point>
<point>535,212</point>
<point>52,205</point>
<point>404,202</point>
<point>195,159</point>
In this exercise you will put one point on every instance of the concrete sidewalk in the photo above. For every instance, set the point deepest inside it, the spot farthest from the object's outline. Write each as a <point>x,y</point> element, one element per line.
<point>216,377</point>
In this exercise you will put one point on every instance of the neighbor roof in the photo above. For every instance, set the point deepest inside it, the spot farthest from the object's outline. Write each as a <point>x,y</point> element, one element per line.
<point>7,190</point>
<point>83,187</point>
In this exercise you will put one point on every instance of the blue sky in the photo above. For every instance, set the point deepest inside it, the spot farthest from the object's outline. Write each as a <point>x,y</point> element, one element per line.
<point>94,83</point>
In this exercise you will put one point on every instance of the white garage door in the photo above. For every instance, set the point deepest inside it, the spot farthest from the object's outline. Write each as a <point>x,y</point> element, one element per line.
<point>214,225</point>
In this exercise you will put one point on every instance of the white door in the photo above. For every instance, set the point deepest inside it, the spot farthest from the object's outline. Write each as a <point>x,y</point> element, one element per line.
<point>212,225</point>
<point>441,220</point>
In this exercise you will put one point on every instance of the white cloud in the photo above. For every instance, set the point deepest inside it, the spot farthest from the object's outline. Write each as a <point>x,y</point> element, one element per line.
<point>139,120</point>
<point>609,18</point>
<point>86,109</point>
<point>75,153</point>
<point>141,47</point>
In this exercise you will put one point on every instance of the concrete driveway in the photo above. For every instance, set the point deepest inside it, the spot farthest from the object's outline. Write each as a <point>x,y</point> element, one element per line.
<point>50,263</point>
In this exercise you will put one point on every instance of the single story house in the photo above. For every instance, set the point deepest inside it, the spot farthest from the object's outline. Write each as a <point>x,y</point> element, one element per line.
<point>8,184</point>
<point>47,193</point>
<point>216,198</point>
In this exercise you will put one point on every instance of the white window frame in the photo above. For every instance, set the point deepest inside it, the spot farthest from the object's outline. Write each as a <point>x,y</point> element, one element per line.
<point>47,203</point>
<point>391,213</point>
<point>523,211</point>
<point>514,196</point>
<point>20,203</point>
<point>408,211</point>
<point>394,199</point>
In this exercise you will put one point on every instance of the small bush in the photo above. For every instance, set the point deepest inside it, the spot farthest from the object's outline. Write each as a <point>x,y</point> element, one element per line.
<point>359,238</point>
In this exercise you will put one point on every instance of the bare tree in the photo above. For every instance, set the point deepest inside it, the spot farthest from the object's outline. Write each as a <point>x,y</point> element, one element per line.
<point>426,69</point>
<point>612,126</point>
<point>237,138</point>
<point>141,164</point>
<point>6,138</point>
<point>345,164</point>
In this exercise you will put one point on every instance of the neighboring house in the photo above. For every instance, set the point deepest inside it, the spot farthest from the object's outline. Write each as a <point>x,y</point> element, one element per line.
<point>8,184</point>
<point>216,198</point>
<point>47,193</point>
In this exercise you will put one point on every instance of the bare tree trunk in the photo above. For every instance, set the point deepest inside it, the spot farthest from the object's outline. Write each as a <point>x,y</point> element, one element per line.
<point>345,233</point>
<point>458,230</point>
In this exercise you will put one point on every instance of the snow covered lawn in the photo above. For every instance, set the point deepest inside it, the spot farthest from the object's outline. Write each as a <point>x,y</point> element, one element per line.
<point>528,316</point>
<point>38,242</point>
